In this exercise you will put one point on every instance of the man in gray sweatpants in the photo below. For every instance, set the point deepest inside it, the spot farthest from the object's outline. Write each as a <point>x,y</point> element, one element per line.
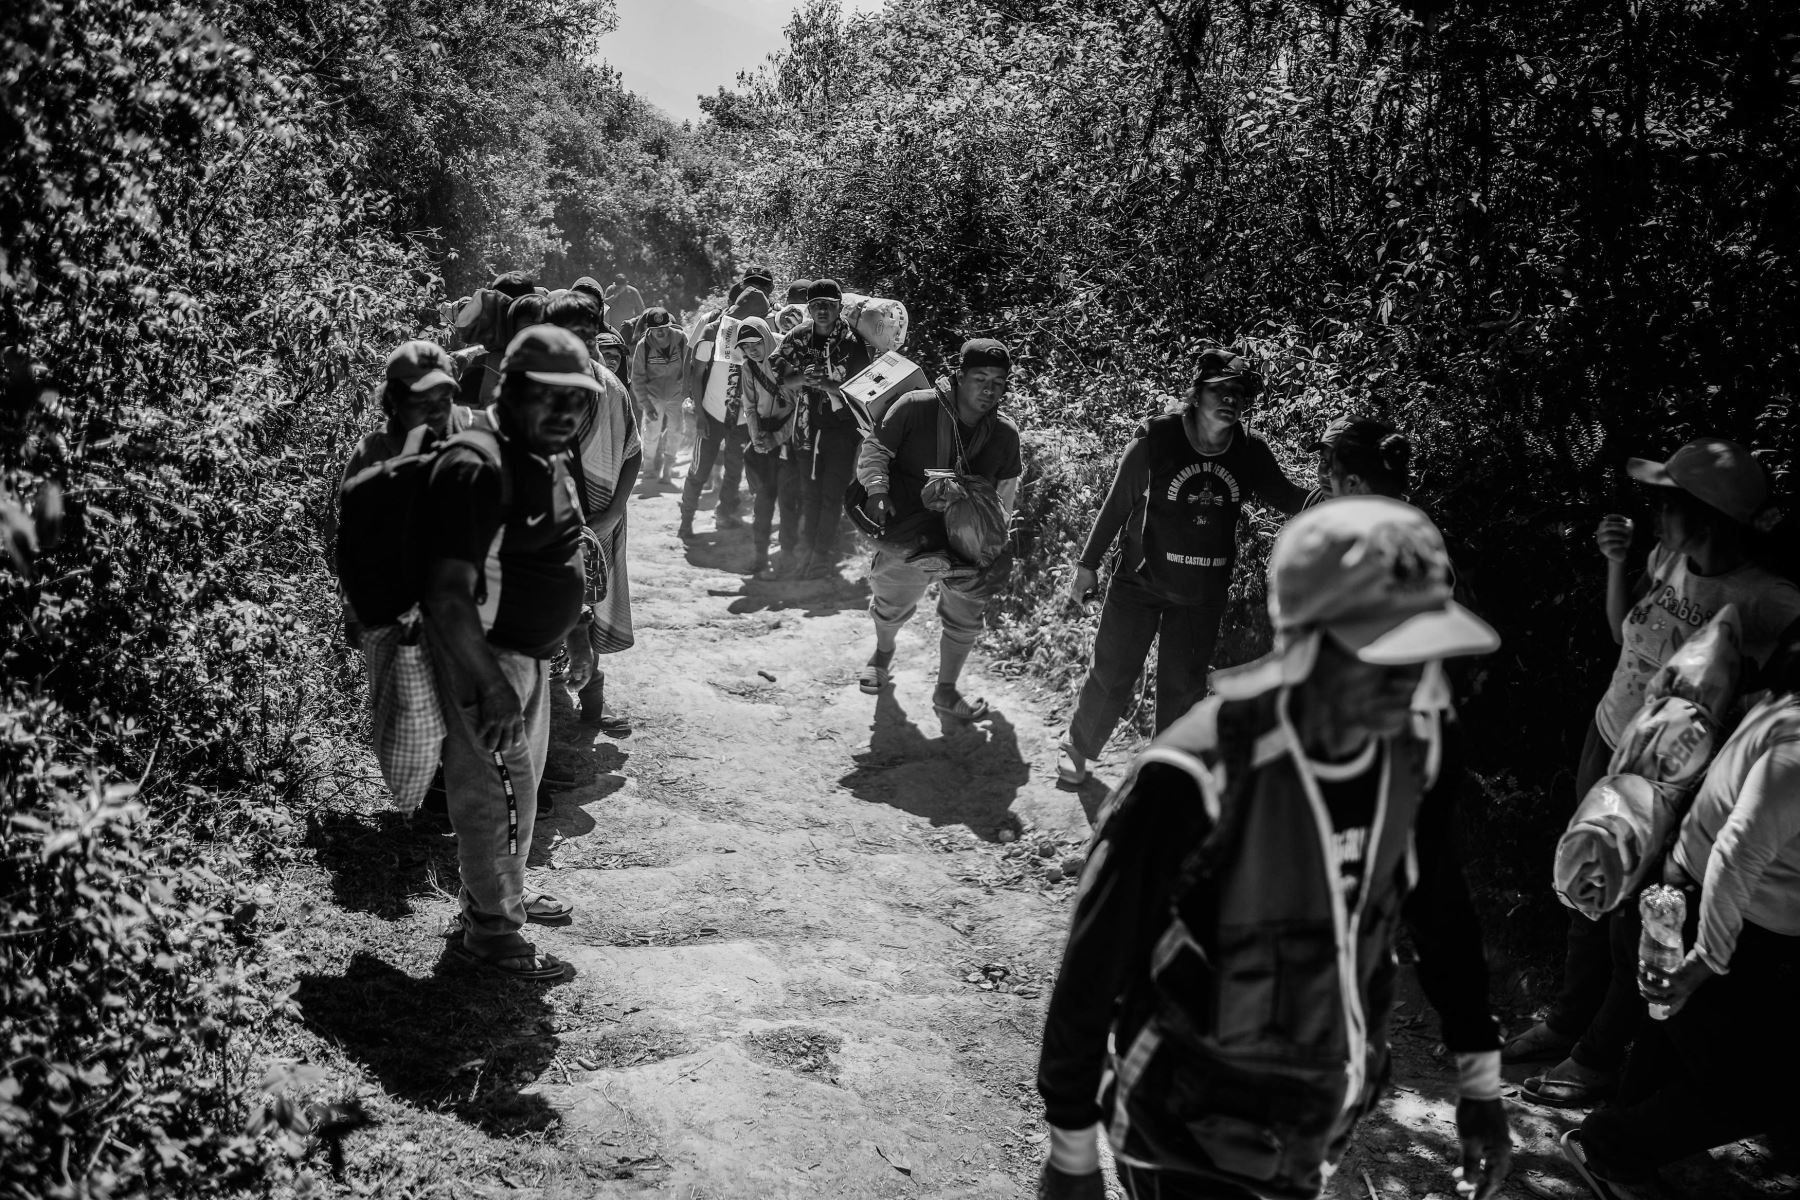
<point>503,592</point>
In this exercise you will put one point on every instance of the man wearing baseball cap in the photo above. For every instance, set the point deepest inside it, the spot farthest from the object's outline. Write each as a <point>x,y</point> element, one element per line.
<point>1223,1002</point>
<point>1177,498</point>
<point>955,424</point>
<point>827,350</point>
<point>504,588</point>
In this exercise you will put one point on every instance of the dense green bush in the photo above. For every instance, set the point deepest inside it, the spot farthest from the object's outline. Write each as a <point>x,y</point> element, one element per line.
<point>1538,237</point>
<point>215,219</point>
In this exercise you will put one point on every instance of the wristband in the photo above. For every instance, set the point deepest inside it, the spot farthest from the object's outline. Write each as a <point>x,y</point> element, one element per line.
<point>1077,1151</point>
<point>1478,1075</point>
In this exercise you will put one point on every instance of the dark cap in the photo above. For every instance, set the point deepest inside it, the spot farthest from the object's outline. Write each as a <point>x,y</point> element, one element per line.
<point>797,290</point>
<point>549,354</point>
<point>824,289</point>
<point>604,341</point>
<point>1351,435</point>
<point>759,277</point>
<point>983,352</point>
<point>1224,364</point>
<point>420,365</point>
<point>1714,471</point>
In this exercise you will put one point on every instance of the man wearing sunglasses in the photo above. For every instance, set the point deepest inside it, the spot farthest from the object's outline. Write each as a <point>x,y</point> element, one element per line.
<point>1177,497</point>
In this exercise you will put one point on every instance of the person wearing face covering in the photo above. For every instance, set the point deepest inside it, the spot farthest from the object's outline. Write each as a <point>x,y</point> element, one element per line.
<point>715,383</point>
<point>1222,1008</point>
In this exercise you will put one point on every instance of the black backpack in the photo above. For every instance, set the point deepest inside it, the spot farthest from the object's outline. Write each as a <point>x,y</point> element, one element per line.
<point>380,544</point>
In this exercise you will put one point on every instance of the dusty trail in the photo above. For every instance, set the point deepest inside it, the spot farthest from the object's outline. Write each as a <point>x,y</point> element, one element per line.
<point>782,880</point>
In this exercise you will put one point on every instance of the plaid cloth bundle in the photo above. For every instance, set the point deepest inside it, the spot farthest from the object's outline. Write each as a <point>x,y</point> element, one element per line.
<point>406,724</point>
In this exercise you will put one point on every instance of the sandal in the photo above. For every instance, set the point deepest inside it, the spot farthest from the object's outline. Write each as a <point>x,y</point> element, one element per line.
<point>962,710</point>
<point>1071,768</point>
<point>1540,1043</point>
<point>544,908</point>
<point>529,966</point>
<point>1603,1188</point>
<point>873,680</point>
<point>1565,1093</point>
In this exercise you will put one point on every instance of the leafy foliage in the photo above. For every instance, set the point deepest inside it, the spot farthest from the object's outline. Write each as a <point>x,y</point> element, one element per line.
<point>1537,237</point>
<point>215,218</point>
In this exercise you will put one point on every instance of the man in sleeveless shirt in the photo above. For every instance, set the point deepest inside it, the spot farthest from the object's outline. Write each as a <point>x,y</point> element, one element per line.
<point>1223,1001</point>
<point>1177,497</point>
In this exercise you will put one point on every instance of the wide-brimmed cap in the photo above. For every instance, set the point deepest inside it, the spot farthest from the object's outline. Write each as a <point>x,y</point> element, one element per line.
<point>550,354</point>
<point>1371,573</point>
<point>420,365</point>
<point>1716,472</point>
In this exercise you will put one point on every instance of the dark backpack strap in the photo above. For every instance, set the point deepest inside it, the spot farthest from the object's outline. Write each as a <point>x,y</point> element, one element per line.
<point>1233,759</point>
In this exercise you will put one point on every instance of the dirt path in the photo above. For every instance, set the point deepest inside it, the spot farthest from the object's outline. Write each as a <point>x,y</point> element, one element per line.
<point>813,938</point>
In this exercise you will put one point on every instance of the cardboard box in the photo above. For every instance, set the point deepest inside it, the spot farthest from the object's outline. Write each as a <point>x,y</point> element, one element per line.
<point>884,381</point>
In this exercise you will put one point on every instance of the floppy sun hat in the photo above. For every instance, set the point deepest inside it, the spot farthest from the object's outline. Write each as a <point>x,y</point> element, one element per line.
<point>1372,573</point>
<point>549,354</point>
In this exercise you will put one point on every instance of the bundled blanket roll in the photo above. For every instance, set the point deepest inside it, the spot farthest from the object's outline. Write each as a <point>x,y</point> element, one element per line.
<point>1614,839</point>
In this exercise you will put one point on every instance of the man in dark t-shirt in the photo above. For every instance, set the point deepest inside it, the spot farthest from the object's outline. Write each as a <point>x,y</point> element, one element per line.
<point>954,425</point>
<point>503,592</point>
<point>1177,497</point>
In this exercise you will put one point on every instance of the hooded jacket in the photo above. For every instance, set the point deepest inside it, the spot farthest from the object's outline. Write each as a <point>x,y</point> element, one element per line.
<point>659,363</point>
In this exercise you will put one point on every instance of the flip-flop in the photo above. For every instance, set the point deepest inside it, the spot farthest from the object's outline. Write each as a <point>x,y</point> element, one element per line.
<point>1565,1093</point>
<point>544,908</point>
<point>1066,772</point>
<point>1603,1188</point>
<point>962,710</point>
<point>1540,1043</point>
<point>530,966</point>
<point>872,680</point>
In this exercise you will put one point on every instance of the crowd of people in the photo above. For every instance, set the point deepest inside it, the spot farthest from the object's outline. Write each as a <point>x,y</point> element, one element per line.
<point>1227,985</point>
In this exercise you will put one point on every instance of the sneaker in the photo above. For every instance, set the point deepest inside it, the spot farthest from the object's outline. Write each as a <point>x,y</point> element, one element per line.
<point>686,528</point>
<point>728,520</point>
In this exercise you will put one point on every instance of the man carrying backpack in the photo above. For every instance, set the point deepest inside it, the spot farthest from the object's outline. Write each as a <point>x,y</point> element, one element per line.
<point>1223,1001</point>
<point>721,429</point>
<point>623,302</point>
<point>504,585</point>
<point>1177,499</point>
<point>658,383</point>
<point>827,351</point>
<point>953,426</point>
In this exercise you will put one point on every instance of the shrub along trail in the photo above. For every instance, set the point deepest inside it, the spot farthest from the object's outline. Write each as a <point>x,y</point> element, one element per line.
<point>814,935</point>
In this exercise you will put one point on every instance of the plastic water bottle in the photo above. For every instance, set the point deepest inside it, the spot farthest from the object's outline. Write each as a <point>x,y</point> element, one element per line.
<point>1660,951</point>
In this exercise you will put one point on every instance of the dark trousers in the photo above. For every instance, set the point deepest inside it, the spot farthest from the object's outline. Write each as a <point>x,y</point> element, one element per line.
<point>1140,1184</point>
<point>1132,615</point>
<point>1598,1005</point>
<point>777,481</point>
<point>827,471</point>
<point>715,438</point>
<point>1720,1069</point>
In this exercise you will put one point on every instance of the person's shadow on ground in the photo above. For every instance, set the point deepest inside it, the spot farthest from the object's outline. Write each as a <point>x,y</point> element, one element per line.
<point>969,775</point>
<point>459,1041</point>
<point>812,597</point>
<point>379,861</point>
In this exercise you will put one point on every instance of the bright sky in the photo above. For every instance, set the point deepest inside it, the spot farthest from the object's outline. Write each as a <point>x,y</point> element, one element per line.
<point>671,52</point>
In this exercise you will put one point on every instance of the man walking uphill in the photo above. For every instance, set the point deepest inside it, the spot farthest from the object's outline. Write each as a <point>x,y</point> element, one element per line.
<point>503,592</point>
<point>827,351</point>
<point>1224,996</point>
<point>955,425</point>
<point>1177,497</point>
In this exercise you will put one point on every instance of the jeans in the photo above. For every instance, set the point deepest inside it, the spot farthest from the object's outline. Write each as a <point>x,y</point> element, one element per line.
<point>715,439</point>
<point>1132,615</point>
<point>895,589</point>
<point>493,877</point>
<point>1595,1005</point>
<point>1720,1069</point>
<point>1142,1184</point>
<point>827,472</point>
<point>777,481</point>
<point>661,437</point>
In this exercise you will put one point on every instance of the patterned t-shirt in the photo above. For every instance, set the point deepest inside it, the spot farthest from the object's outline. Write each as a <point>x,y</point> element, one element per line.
<point>1674,606</point>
